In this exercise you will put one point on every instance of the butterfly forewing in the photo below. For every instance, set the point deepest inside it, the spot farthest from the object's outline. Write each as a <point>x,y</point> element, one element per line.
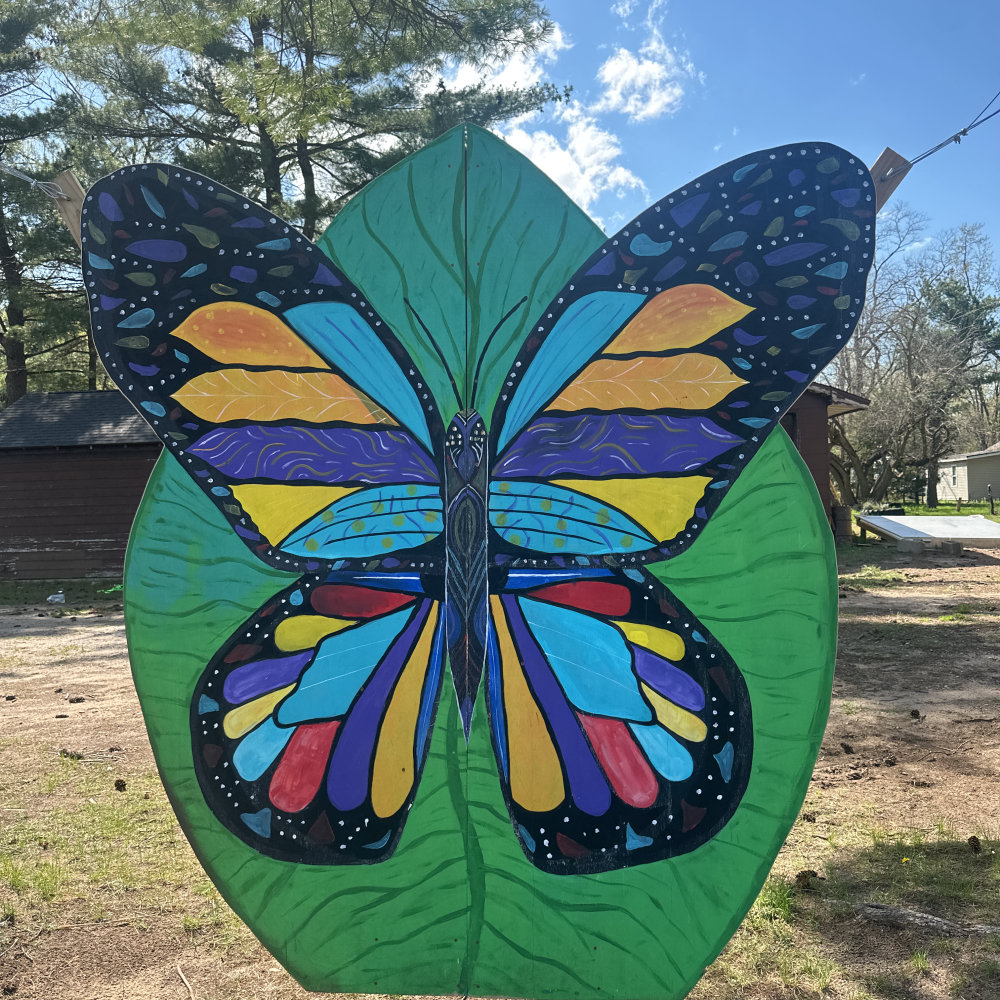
<point>265,372</point>
<point>651,380</point>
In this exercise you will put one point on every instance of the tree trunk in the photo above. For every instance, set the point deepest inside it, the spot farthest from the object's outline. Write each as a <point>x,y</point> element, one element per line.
<point>16,380</point>
<point>92,362</point>
<point>268,150</point>
<point>310,203</point>
<point>931,472</point>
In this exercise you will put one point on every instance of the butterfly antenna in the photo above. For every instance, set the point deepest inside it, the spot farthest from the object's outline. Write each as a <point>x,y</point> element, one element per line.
<point>482,354</point>
<point>440,354</point>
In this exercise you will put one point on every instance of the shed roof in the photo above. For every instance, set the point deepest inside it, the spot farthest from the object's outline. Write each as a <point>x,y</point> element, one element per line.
<point>71,419</point>
<point>839,401</point>
<point>992,452</point>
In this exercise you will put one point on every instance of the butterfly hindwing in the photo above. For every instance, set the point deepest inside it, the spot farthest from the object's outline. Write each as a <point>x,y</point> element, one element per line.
<point>621,726</point>
<point>264,371</point>
<point>651,380</point>
<point>311,725</point>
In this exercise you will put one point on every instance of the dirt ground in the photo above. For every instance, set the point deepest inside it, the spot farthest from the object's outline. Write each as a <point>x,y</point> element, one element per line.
<point>909,770</point>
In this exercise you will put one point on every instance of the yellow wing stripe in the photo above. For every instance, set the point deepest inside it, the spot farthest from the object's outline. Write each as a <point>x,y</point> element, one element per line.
<point>679,317</point>
<point>306,631</point>
<point>279,509</point>
<point>677,720</point>
<point>309,397</point>
<point>536,780</point>
<point>682,381</point>
<point>662,506</point>
<point>241,720</point>
<point>235,333</point>
<point>395,761</point>
<point>660,640</point>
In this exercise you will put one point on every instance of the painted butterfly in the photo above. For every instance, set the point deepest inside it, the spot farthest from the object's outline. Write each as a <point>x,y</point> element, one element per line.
<point>516,549</point>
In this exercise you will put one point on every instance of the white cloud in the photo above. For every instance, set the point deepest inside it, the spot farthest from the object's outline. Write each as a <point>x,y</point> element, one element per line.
<point>624,8</point>
<point>647,83</point>
<point>585,163</point>
<point>524,69</point>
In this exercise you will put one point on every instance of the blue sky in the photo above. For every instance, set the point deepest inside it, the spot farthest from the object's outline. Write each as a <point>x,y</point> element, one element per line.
<point>665,90</point>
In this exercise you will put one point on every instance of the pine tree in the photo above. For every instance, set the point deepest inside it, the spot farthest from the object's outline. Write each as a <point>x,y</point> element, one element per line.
<point>293,102</point>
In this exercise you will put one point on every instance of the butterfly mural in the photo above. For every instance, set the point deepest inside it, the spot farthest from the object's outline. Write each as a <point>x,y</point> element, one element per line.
<point>509,551</point>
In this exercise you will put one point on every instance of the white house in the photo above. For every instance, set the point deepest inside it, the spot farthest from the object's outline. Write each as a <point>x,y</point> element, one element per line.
<point>965,477</point>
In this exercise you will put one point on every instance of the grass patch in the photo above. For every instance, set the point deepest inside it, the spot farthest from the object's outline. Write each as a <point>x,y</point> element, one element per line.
<point>774,901</point>
<point>771,952</point>
<point>78,593</point>
<point>933,871</point>
<point>979,976</point>
<point>872,577</point>
<point>950,509</point>
<point>82,842</point>
<point>966,610</point>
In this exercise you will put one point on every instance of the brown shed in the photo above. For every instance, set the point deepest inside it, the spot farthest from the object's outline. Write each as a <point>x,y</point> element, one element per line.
<point>806,424</point>
<point>73,466</point>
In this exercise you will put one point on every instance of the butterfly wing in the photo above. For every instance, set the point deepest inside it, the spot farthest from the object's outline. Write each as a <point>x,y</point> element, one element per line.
<point>643,392</point>
<point>622,728</point>
<point>297,413</point>
<point>652,379</point>
<point>264,371</point>
<point>311,724</point>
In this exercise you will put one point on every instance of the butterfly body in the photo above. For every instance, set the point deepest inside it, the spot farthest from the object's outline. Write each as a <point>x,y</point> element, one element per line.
<point>466,495</point>
<point>519,552</point>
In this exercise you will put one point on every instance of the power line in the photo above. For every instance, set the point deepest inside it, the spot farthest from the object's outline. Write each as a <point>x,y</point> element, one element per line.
<point>962,133</point>
<point>50,188</point>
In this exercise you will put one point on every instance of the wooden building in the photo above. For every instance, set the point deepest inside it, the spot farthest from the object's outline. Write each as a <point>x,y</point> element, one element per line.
<point>73,466</point>
<point>806,424</point>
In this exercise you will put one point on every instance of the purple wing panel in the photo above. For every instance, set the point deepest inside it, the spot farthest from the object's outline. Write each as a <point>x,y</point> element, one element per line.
<point>614,444</point>
<point>287,454</point>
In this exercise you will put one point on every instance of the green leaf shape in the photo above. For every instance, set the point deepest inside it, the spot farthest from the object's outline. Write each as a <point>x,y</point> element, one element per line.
<point>464,231</point>
<point>458,909</point>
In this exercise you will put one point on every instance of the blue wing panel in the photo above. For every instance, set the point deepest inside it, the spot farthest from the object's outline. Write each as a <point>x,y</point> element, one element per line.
<point>258,750</point>
<point>664,752</point>
<point>370,522</point>
<point>588,324</point>
<point>591,661</point>
<point>342,665</point>
<point>337,331</point>
<point>552,519</point>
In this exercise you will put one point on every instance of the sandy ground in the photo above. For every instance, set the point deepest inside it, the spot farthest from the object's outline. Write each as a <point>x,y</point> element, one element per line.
<point>913,743</point>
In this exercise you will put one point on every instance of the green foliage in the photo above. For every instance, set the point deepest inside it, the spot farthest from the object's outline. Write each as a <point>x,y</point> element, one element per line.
<point>43,340</point>
<point>294,106</point>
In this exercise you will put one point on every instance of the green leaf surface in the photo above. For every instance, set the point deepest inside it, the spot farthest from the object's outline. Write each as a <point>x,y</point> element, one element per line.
<point>458,908</point>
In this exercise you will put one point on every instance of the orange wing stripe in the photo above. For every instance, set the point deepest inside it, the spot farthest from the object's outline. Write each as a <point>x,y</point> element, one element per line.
<point>312,397</point>
<point>679,317</point>
<point>686,381</point>
<point>236,333</point>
